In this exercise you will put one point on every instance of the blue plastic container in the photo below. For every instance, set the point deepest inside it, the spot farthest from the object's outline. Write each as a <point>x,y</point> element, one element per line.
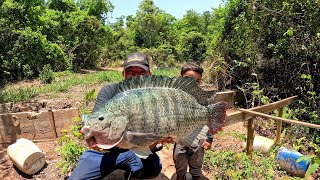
<point>287,160</point>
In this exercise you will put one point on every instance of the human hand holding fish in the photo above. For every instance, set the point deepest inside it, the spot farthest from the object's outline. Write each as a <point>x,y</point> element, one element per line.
<point>206,145</point>
<point>90,141</point>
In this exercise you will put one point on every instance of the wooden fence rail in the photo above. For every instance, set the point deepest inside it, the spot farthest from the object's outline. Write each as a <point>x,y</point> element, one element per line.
<point>300,123</point>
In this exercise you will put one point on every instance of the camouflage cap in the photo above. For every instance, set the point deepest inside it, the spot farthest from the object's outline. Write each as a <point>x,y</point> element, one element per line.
<point>136,59</point>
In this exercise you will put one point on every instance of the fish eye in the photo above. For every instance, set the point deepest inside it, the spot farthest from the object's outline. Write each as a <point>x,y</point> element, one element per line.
<point>101,118</point>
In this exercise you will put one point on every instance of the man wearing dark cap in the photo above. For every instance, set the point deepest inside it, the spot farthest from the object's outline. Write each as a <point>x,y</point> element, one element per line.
<point>95,164</point>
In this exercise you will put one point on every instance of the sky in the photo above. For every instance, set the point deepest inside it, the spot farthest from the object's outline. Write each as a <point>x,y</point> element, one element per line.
<point>176,8</point>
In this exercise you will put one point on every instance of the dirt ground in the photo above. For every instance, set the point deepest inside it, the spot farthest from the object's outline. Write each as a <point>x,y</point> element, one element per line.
<point>9,172</point>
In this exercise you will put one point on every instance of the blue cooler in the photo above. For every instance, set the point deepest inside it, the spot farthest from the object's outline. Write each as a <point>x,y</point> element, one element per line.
<point>287,160</point>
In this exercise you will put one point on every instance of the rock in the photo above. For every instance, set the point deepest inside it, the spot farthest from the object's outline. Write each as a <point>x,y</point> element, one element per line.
<point>5,108</point>
<point>5,163</point>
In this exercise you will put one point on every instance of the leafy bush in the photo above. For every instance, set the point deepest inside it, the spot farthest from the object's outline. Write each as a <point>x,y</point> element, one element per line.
<point>70,147</point>
<point>27,71</point>
<point>46,75</point>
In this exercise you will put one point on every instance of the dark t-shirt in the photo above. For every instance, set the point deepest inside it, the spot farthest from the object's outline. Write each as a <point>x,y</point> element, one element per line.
<point>105,94</point>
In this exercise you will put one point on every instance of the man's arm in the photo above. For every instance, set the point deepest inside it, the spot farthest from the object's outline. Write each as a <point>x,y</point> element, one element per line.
<point>105,94</point>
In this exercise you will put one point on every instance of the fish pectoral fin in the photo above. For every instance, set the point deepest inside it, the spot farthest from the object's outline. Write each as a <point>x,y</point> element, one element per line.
<point>194,137</point>
<point>143,152</point>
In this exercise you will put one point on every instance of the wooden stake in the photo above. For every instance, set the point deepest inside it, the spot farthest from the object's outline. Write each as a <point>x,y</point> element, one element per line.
<point>279,126</point>
<point>250,136</point>
<point>52,124</point>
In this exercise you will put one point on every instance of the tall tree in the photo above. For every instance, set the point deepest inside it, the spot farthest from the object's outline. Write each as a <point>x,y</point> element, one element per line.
<point>97,8</point>
<point>62,5</point>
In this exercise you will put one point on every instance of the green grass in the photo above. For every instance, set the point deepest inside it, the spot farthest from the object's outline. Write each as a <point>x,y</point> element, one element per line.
<point>14,95</point>
<point>66,80</point>
<point>170,72</point>
<point>63,81</point>
<point>238,165</point>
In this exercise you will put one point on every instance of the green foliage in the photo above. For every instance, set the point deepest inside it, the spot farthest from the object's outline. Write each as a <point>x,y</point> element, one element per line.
<point>237,165</point>
<point>27,71</point>
<point>253,93</point>
<point>89,97</point>
<point>299,146</point>
<point>314,160</point>
<point>170,72</point>
<point>56,32</point>
<point>239,136</point>
<point>276,40</point>
<point>70,148</point>
<point>267,49</point>
<point>97,8</point>
<point>62,5</point>
<point>17,95</point>
<point>191,46</point>
<point>150,21</point>
<point>46,75</point>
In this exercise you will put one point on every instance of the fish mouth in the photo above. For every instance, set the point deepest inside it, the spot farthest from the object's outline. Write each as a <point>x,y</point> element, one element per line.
<point>94,142</point>
<point>90,139</point>
<point>109,146</point>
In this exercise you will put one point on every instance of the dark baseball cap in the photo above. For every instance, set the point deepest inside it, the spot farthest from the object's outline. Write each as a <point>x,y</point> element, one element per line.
<point>136,59</point>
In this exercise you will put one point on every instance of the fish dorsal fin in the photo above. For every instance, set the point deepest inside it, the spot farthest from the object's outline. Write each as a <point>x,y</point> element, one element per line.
<point>186,84</point>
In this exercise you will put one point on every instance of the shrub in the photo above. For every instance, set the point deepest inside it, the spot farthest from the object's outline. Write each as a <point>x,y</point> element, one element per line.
<point>46,75</point>
<point>27,72</point>
<point>70,147</point>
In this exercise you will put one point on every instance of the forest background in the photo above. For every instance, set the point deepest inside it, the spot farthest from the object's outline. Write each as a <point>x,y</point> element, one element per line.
<point>266,49</point>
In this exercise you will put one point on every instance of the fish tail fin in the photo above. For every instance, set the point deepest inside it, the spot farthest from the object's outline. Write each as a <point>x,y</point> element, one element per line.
<point>192,139</point>
<point>217,116</point>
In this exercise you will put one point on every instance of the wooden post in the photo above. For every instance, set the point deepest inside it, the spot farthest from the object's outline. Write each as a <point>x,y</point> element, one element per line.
<point>52,124</point>
<point>250,136</point>
<point>279,126</point>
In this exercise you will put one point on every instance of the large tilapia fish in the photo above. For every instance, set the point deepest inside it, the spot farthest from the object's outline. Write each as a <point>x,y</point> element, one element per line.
<point>149,108</point>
